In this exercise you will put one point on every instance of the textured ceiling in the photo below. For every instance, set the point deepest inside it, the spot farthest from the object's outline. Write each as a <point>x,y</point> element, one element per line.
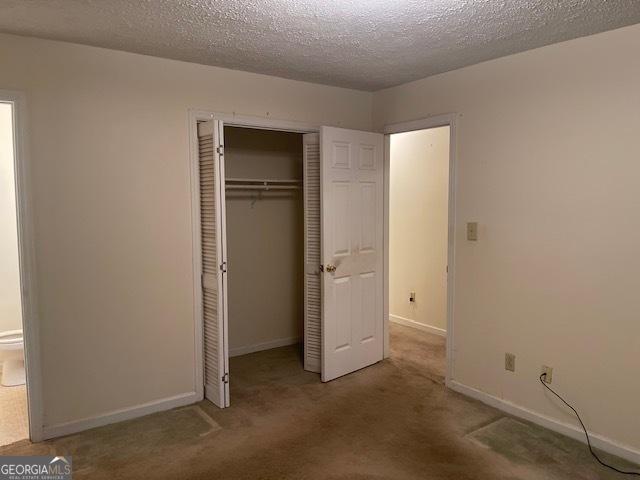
<point>365,44</point>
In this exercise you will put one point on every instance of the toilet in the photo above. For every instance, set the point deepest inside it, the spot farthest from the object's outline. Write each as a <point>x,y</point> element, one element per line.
<point>12,358</point>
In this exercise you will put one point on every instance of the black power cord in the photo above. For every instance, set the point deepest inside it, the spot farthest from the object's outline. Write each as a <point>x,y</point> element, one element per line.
<point>624,472</point>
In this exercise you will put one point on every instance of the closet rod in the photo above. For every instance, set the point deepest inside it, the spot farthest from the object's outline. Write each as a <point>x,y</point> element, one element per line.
<point>262,187</point>
<point>261,180</point>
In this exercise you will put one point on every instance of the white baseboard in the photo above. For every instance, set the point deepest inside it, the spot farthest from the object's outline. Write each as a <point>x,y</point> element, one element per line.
<point>75,426</point>
<point>598,441</point>
<point>280,342</point>
<point>420,326</point>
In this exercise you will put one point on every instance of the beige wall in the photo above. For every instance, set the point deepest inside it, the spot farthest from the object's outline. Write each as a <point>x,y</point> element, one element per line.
<point>264,240</point>
<point>548,165</point>
<point>418,208</point>
<point>111,194</point>
<point>10,308</point>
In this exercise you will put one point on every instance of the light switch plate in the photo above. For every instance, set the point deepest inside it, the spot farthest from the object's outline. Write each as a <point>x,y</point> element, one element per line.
<point>510,362</point>
<point>472,231</point>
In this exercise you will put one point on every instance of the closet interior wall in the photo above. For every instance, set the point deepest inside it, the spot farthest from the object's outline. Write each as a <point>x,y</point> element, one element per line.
<point>265,240</point>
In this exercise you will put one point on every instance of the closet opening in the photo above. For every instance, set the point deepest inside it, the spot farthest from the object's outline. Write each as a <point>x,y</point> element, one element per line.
<point>289,253</point>
<point>257,272</point>
<point>419,173</point>
<point>264,208</point>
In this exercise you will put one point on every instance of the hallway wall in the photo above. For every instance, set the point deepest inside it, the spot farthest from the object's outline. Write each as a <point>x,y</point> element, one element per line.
<point>418,224</point>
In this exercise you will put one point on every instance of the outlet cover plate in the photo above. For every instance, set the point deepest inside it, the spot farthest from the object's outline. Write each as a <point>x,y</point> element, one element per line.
<point>472,231</point>
<point>549,374</point>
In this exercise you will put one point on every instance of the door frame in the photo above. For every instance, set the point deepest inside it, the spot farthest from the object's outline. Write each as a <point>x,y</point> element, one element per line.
<point>231,120</point>
<point>410,126</point>
<point>27,261</point>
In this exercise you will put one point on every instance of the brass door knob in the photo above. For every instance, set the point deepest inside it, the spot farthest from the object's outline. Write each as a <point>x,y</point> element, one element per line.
<point>331,268</point>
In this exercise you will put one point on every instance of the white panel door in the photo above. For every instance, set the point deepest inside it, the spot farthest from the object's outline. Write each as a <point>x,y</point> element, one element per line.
<point>212,242</point>
<point>352,254</point>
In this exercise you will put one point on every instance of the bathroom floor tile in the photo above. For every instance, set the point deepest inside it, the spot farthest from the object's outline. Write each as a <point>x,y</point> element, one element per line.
<point>14,421</point>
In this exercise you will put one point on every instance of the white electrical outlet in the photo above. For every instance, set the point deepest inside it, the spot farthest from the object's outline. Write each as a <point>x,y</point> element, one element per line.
<point>412,296</point>
<point>510,362</point>
<point>548,371</point>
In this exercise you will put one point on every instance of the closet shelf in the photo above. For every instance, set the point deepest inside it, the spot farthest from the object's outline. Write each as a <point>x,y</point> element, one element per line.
<point>261,184</point>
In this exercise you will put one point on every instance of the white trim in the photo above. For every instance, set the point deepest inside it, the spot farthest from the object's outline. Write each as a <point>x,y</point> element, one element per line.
<point>423,124</point>
<point>258,347</point>
<point>420,124</point>
<point>598,441</point>
<point>407,322</point>
<point>196,255</point>
<point>27,256</point>
<point>265,123</point>
<point>386,348</point>
<point>128,413</point>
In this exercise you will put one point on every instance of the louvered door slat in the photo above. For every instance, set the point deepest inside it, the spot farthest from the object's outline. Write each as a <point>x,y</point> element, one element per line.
<point>312,284</point>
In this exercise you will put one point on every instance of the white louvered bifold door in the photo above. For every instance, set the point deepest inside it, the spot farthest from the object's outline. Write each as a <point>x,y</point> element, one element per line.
<point>213,266</point>
<point>312,279</point>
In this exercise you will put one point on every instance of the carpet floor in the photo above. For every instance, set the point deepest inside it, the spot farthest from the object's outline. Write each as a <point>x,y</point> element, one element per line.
<point>393,420</point>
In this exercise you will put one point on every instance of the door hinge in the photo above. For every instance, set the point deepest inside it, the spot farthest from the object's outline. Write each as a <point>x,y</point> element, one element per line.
<point>220,150</point>
<point>225,378</point>
<point>223,267</point>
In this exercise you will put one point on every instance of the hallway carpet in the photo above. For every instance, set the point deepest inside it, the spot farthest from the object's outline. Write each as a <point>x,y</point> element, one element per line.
<point>394,420</point>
